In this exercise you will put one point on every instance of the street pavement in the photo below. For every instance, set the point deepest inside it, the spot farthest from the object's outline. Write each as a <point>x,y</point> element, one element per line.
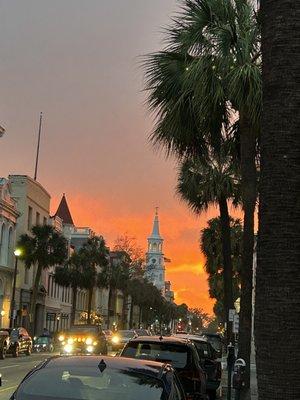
<point>13,371</point>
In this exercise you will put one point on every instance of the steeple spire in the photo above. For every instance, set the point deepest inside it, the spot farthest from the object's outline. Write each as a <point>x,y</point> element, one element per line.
<point>155,230</point>
<point>63,211</point>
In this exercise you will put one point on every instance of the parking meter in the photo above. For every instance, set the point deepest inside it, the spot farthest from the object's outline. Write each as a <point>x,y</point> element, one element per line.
<point>238,380</point>
<point>230,365</point>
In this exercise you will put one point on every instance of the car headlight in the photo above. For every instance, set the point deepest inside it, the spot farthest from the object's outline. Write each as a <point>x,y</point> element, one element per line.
<point>89,341</point>
<point>95,343</point>
<point>70,341</point>
<point>90,349</point>
<point>61,338</point>
<point>68,348</point>
<point>115,339</point>
<point>44,345</point>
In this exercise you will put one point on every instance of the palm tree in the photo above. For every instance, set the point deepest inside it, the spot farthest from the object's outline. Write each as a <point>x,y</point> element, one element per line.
<point>277,308</point>
<point>211,246</point>
<point>94,253</point>
<point>72,275</point>
<point>202,183</point>
<point>44,248</point>
<point>209,73</point>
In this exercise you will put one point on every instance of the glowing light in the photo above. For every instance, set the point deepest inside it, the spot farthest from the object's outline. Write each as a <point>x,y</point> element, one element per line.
<point>61,338</point>
<point>68,348</point>
<point>90,349</point>
<point>70,341</point>
<point>18,252</point>
<point>115,339</point>
<point>89,341</point>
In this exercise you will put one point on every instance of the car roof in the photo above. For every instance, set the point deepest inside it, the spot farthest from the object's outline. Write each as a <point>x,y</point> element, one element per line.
<point>195,338</point>
<point>161,339</point>
<point>122,363</point>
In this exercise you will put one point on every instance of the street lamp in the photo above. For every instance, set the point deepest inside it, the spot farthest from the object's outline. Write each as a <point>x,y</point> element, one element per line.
<point>17,253</point>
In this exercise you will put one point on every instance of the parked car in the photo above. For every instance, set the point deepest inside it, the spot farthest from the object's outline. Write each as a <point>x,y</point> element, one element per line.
<point>120,338</point>
<point>4,343</point>
<point>83,339</point>
<point>20,342</point>
<point>43,344</point>
<point>216,340</point>
<point>91,377</point>
<point>208,359</point>
<point>180,353</point>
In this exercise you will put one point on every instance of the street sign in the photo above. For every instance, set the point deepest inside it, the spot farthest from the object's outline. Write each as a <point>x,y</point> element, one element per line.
<point>236,323</point>
<point>231,314</point>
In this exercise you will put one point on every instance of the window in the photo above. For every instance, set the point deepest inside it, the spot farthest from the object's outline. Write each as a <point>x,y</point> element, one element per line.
<point>45,221</point>
<point>29,220</point>
<point>177,355</point>
<point>85,382</point>
<point>1,238</point>
<point>38,217</point>
<point>26,276</point>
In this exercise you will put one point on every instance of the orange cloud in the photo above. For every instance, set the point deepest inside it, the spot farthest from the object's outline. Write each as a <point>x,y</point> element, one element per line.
<point>180,229</point>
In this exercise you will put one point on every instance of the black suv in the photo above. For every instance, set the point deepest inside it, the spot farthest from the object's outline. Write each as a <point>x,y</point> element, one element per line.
<point>180,353</point>
<point>208,360</point>
<point>20,342</point>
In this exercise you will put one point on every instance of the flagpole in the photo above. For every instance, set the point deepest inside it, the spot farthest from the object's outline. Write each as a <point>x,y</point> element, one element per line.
<point>38,148</point>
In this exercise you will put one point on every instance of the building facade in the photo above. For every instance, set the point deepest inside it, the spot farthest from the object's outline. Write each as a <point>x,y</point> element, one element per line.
<point>33,204</point>
<point>8,221</point>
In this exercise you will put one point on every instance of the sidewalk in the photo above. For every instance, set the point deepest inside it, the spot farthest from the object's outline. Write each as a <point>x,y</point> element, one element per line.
<point>253,384</point>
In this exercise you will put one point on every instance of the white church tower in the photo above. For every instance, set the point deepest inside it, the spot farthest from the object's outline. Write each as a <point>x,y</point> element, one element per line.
<point>155,267</point>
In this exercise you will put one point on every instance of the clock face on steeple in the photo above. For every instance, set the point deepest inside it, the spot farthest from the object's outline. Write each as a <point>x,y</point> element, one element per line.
<point>153,260</point>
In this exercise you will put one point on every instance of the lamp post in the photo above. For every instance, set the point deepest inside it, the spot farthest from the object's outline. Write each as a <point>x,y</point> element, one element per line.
<point>17,254</point>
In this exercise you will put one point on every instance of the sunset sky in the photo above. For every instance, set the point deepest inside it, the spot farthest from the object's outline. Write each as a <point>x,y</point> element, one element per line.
<point>78,62</point>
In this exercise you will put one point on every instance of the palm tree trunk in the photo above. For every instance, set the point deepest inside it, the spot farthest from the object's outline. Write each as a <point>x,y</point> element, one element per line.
<point>140,317</point>
<point>227,264</point>
<point>110,310</point>
<point>35,291</point>
<point>89,310</point>
<point>248,174</point>
<point>74,304</point>
<point>124,309</point>
<point>277,306</point>
<point>131,314</point>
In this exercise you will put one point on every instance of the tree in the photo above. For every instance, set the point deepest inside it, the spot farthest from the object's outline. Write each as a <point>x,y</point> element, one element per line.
<point>211,246</point>
<point>211,68</point>
<point>94,253</point>
<point>44,248</point>
<point>72,275</point>
<point>277,308</point>
<point>202,183</point>
<point>129,245</point>
<point>199,319</point>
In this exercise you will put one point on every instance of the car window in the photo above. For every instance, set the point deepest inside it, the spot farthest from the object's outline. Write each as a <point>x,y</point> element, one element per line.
<point>84,330</point>
<point>203,349</point>
<point>63,383</point>
<point>14,334</point>
<point>177,355</point>
<point>42,340</point>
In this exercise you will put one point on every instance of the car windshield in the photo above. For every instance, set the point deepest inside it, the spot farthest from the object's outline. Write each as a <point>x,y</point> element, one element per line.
<point>175,354</point>
<point>14,334</point>
<point>126,334</point>
<point>142,332</point>
<point>77,383</point>
<point>203,349</point>
<point>84,330</point>
<point>215,342</point>
<point>42,340</point>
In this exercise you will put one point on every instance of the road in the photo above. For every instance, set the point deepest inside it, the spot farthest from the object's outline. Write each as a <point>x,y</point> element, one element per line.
<point>13,371</point>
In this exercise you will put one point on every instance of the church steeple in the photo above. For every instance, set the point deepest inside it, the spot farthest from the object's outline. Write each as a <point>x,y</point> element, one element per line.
<point>155,231</point>
<point>155,268</point>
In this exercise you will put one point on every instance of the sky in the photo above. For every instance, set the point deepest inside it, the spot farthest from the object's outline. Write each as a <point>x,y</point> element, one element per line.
<point>79,63</point>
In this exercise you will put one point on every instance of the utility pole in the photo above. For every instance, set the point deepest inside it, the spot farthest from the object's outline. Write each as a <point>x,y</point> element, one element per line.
<point>38,148</point>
